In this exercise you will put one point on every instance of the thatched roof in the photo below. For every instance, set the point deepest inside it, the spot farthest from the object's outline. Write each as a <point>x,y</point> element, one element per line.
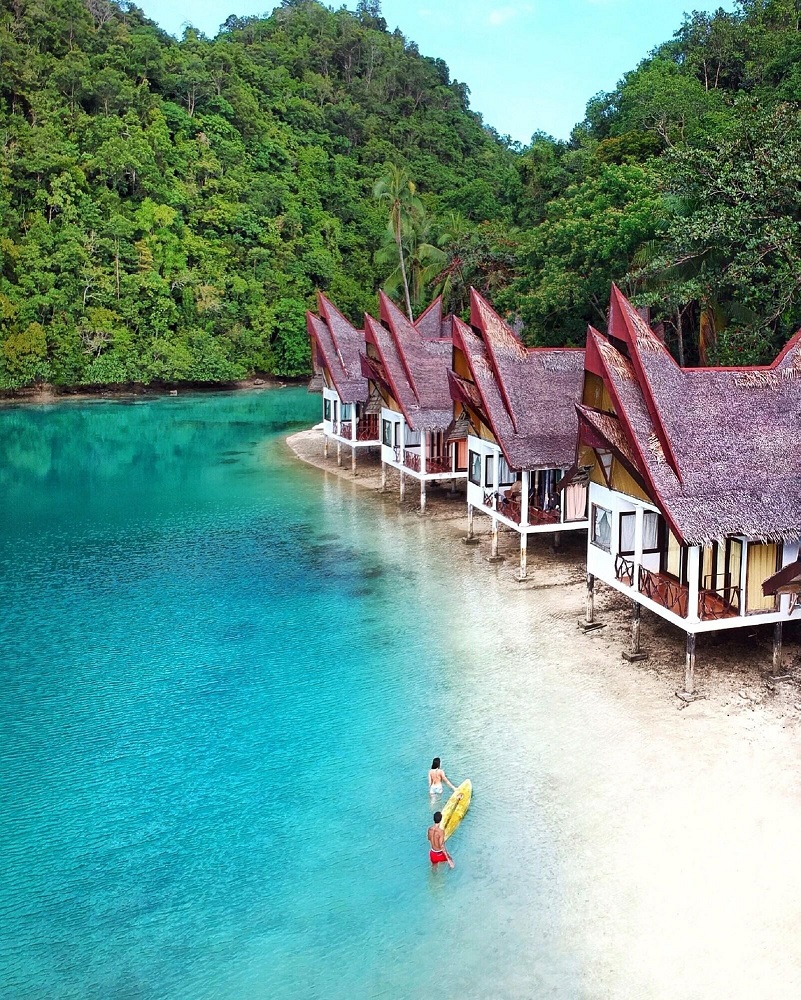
<point>413,367</point>
<point>338,345</point>
<point>719,449</point>
<point>529,395</point>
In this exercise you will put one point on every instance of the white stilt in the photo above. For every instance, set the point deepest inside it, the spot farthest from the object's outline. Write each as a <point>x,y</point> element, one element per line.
<point>339,453</point>
<point>383,476</point>
<point>325,446</point>
<point>424,437</point>
<point>523,554</point>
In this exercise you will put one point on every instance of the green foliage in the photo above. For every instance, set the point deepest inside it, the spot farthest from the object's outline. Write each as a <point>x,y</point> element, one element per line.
<point>733,242</point>
<point>589,235</point>
<point>168,209</point>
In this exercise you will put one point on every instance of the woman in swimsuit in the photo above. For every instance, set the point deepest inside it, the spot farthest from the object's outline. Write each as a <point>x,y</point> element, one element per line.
<point>435,778</point>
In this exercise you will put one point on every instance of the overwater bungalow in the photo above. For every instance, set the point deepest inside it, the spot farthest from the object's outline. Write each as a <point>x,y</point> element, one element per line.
<point>695,504</point>
<point>518,408</point>
<point>407,364</point>
<point>350,413</point>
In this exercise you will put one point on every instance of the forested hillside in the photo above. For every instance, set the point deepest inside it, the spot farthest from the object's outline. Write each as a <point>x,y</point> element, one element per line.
<point>168,208</point>
<point>683,185</point>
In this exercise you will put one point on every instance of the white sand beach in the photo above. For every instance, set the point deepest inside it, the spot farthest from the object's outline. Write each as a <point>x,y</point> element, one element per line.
<point>676,822</point>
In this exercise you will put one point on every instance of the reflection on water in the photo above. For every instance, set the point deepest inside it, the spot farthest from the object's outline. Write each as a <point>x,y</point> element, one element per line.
<point>221,695</point>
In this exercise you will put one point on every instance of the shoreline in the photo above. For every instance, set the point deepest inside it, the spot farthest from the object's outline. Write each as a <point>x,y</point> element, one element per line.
<point>733,672</point>
<point>47,393</point>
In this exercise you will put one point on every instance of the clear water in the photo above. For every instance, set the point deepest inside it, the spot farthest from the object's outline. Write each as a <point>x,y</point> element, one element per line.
<point>223,678</point>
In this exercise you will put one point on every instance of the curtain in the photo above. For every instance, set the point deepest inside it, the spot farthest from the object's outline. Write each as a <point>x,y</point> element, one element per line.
<point>505,475</point>
<point>576,501</point>
<point>650,531</point>
<point>602,528</point>
<point>761,565</point>
<point>628,523</point>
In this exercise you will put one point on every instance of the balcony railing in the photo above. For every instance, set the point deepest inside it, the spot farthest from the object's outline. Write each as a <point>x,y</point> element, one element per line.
<point>439,463</point>
<point>512,509</point>
<point>665,590</point>
<point>624,569</point>
<point>713,605</point>
<point>367,428</point>
<point>411,459</point>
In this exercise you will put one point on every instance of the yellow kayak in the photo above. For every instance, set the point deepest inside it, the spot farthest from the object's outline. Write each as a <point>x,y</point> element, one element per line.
<point>455,808</point>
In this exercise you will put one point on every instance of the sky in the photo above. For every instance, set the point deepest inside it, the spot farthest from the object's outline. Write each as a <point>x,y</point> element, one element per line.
<point>531,65</point>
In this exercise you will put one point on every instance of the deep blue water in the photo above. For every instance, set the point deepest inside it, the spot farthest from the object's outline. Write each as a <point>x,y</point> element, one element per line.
<point>223,677</point>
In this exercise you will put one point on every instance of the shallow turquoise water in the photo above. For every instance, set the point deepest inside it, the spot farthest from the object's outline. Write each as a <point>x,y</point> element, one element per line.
<point>223,677</point>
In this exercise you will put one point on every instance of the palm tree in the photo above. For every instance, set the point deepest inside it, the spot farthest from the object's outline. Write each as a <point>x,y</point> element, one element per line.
<point>399,190</point>
<point>424,259</point>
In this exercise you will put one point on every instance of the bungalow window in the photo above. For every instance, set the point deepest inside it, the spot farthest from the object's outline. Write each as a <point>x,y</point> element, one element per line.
<point>489,481</point>
<point>601,528</point>
<point>650,532</point>
<point>505,475</point>
<point>475,468</point>
<point>386,433</point>
<point>326,409</point>
<point>345,411</point>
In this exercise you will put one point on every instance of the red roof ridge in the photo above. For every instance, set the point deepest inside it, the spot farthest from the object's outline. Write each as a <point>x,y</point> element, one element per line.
<point>326,306</point>
<point>603,347</point>
<point>369,323</point>
<point>458,324</point>
<point>394,317</point>
<point>640,338</point>
<point>480,313</point>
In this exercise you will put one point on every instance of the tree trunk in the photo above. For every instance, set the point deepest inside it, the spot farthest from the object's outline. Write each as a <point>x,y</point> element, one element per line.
<point>403,270</point>
<point>680,335</point>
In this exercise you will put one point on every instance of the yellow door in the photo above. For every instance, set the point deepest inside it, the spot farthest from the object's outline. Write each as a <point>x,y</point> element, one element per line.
<point>762,562</point>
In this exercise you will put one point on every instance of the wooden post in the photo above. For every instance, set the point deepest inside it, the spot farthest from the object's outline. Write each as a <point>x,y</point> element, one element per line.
<point>689,668</point>
<point>636,653</point>
<point>589,624</point>
<point>777,647</point>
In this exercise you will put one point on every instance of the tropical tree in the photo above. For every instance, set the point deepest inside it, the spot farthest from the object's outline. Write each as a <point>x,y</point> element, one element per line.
<point>424,259</point>
<point>397,189</point>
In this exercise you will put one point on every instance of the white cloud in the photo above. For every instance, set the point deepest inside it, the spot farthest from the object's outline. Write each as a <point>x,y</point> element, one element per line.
<point>502,15</point>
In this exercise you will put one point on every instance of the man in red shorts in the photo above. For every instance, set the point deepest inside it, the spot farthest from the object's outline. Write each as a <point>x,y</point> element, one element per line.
<point>436,838</point>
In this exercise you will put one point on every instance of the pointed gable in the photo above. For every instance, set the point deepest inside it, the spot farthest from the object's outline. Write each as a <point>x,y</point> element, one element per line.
<point>338,345</point>
<point>719,447</point>
<point>529,394</point>
<point>415,366</point>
